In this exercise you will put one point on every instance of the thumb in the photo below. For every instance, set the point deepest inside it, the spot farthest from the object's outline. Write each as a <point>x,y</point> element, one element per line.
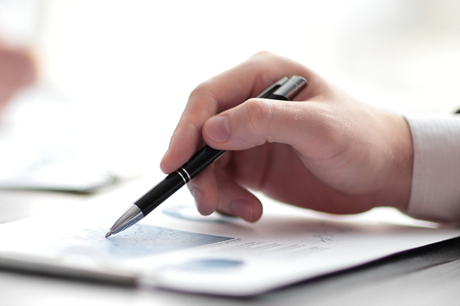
<point>258,121</point>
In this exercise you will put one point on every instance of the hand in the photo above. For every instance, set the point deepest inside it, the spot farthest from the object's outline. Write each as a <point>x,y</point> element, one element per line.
<point>324,151</point>
<point>17,69</point>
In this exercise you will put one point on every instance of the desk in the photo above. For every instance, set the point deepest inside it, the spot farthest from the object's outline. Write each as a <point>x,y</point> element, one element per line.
<point>427,276</point>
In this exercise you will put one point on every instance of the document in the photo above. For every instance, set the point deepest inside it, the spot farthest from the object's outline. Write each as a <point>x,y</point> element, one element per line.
<point>52,169</point>
<point>176,248</point>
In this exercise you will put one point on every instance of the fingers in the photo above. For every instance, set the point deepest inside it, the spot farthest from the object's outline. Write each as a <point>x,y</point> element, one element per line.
<point>226,91</point>
<point>219,192</point>
<point>205,191</point>
<point>213,189</point>
<point>237,201</point>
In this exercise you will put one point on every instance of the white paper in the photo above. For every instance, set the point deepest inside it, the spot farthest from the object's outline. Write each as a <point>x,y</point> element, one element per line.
<point>174,247</point>
<point>61,170</point>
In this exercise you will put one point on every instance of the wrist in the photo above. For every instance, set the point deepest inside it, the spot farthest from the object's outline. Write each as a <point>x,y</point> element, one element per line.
<point>397,190</point>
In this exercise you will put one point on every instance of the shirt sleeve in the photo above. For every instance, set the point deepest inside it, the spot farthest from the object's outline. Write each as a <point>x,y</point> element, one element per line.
<point>435,193</point>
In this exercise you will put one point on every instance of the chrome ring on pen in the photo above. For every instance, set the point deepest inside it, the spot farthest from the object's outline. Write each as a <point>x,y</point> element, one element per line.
<point>184,175</point>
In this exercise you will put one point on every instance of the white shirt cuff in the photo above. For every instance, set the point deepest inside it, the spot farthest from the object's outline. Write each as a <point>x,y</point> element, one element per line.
<point>435,193</point>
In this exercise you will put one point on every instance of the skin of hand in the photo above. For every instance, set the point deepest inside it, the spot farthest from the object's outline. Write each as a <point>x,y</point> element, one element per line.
<point>17,69</point>
<point>324,151</point>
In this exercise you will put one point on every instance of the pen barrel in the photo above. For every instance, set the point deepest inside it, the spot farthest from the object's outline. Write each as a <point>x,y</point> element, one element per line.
<point>277,97</point>
<point>174,181</point>
<point>289,89</point>
<point>200,160</point>
<point>160,193</point>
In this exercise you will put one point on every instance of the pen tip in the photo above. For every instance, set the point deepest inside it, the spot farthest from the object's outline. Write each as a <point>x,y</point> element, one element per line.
<point>108,234</point>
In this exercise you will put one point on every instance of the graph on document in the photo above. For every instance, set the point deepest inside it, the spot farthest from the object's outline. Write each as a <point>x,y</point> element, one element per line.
<point>139,240</point>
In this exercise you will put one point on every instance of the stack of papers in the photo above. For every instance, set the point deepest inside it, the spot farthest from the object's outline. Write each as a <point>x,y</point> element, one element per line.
<point>176,248</point>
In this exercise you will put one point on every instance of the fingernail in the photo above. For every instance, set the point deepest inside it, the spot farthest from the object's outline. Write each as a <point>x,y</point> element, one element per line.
<point>196,195</point>
<point>242,209</point>
<point>217,128</point>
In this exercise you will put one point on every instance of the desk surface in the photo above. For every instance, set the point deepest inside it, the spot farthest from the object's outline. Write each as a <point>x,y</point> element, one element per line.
<point>426,276</point>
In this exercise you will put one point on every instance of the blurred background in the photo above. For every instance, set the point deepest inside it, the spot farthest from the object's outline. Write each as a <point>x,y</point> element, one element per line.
<point>114,76</point>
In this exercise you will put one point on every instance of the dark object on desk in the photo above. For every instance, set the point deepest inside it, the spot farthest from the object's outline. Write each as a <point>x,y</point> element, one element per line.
<point>285,89</point>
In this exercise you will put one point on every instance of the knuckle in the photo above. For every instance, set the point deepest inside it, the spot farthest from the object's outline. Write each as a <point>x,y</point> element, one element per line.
<point>263,53</point>
<point>200,90</point>
<point>259,114</point>
<point>204,99</point>
<point>331,134</point>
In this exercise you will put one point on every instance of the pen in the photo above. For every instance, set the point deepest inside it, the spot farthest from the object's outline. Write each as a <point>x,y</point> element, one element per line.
<point>285,89</point>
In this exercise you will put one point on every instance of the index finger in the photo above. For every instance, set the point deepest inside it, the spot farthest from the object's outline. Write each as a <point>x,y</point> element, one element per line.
<point>225,91</point>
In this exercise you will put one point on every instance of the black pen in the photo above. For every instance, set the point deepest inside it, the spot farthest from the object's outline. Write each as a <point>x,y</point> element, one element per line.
<point>285,89</point>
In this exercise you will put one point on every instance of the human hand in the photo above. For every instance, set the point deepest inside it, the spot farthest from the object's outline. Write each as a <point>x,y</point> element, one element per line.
<point>324,151</point>
<point>17,69</point>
